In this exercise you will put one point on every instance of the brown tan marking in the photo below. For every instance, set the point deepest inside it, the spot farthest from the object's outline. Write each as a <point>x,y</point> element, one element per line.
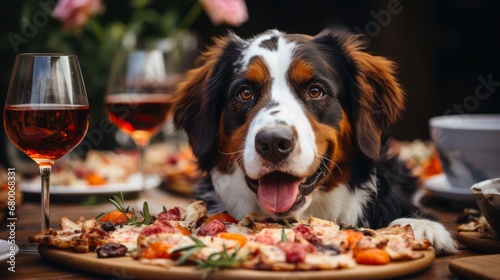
<point>194,105</point>
<point>382,100</point>
<point>232,153</point>
<point>257,70</point>
<point>343,151</point>
<point>300,71</point>
<point>184,96</point>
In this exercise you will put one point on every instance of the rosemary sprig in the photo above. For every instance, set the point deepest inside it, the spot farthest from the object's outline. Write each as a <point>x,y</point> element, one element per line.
<point>145,214</point>
<point>283,235</point>
<point>221,260</point>
<point>119,203</point>
<point>214,261</point>
<point>189,250</point>
<point>98,217</point>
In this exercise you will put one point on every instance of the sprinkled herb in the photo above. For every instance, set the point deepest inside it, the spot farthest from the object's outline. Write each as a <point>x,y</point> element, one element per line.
<point>189,250</point>
<point>283,235</point>
<point>221,260</point>
<point>119,203</point>
<point>214,261</point>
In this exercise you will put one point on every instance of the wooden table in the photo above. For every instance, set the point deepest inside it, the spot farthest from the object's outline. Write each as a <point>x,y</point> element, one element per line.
<point>30,265</point>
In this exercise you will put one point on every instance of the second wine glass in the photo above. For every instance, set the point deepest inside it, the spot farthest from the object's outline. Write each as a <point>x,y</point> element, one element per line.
<point>138,96</point>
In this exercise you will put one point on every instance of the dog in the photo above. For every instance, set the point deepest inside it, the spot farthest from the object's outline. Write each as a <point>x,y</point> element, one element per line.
<point>293,125</point>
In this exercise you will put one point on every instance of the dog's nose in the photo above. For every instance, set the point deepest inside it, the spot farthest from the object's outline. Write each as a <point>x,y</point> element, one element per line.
<point>274,144</point>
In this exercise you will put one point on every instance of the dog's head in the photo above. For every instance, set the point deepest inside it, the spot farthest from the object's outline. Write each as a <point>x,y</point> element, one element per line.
<point>292,111</point>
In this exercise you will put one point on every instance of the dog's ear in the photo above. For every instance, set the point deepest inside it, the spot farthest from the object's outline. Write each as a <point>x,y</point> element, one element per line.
<point>377,100</point>
<point>199,98</point>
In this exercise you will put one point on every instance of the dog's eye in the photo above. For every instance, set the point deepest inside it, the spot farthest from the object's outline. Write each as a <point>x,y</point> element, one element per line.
<point>245,93</point>
<point>315,92</point>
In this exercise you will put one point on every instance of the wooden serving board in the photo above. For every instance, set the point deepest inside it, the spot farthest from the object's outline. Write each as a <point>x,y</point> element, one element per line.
<point>474,241</point>
<point>126,266</point>
<point>478,267</point>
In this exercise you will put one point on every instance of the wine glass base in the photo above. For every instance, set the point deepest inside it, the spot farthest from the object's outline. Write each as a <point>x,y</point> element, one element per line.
<point>28,247</point>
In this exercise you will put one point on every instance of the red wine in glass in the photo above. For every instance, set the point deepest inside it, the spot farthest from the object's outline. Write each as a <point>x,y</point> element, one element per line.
<point>46,132</point>
<point>139,115</point>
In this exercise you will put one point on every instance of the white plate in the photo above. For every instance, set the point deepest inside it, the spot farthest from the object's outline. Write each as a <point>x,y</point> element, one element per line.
<point>441,187</point>
<point>5,250</point>
<point>132,185</point>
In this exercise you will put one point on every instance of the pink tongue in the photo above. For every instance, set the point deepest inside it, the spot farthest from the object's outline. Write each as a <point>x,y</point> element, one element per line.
<point>277,192</point>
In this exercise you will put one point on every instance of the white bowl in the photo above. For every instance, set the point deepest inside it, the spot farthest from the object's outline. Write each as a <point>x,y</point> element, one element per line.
<point>468,147</point>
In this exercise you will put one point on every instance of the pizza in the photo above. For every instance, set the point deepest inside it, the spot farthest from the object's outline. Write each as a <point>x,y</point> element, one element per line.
<point>118,226</point>
<point>187,235</point>
<point>472,220</point>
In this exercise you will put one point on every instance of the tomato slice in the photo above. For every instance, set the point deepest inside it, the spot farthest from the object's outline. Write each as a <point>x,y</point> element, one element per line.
<point>240,238</point>
<point>116,217</point>
<point>182,230</point>
<point>224,217</point>
<point>373,256</point>
<point>157,250</point>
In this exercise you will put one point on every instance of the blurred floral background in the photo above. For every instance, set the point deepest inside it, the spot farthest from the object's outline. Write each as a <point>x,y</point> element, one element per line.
<point>96,29</point>
<point>441,47</point>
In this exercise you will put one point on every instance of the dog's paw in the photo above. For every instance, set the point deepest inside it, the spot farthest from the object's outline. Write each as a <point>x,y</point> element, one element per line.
<point>435,232</point>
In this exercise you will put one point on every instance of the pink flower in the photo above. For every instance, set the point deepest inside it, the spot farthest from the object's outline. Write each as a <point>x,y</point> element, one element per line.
<point>75,13</point>
<point>231,12</point>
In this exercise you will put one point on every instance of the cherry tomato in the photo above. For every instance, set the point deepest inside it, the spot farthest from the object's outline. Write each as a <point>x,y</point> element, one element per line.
<point>223,217</point>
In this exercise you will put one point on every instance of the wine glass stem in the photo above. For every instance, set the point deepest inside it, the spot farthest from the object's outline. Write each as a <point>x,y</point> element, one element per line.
<point>141,141</point>
<point>45,196</point>
<point>142,149</point>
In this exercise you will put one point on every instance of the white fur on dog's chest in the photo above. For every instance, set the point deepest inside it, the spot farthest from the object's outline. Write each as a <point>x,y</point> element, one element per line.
<point>341,204</point>
<point>234,194</point>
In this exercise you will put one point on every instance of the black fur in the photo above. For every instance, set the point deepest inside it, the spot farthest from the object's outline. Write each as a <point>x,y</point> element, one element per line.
<point>395,189</point>
<point>200,120</point>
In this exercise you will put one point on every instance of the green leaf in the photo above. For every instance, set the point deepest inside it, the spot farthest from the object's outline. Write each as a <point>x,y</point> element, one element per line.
<point>139,4</point>
<point>283,235</point>
<point>118,202</point>
<point>100,215</point>
<point>197,241</point>
<point>122,200</point>
<point>117,206</point>
<point>188,252</point>
<point>220,260</point>
<point>145,208</point>
<point>186,248</point>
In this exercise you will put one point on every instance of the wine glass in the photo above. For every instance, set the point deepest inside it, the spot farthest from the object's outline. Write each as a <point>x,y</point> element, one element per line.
<point>46,113</point>
<point>138,96</point>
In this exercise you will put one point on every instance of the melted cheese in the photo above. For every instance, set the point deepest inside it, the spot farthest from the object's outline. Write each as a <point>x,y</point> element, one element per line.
<point>126,235</point>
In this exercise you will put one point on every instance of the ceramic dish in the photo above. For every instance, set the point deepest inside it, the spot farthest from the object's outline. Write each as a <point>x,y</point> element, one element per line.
<point>468,147</point>
<point>132,185</point>
<point>439,186</point>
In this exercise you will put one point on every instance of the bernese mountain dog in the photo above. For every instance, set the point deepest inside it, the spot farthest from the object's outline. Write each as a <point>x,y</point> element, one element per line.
<point>292,125</point>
